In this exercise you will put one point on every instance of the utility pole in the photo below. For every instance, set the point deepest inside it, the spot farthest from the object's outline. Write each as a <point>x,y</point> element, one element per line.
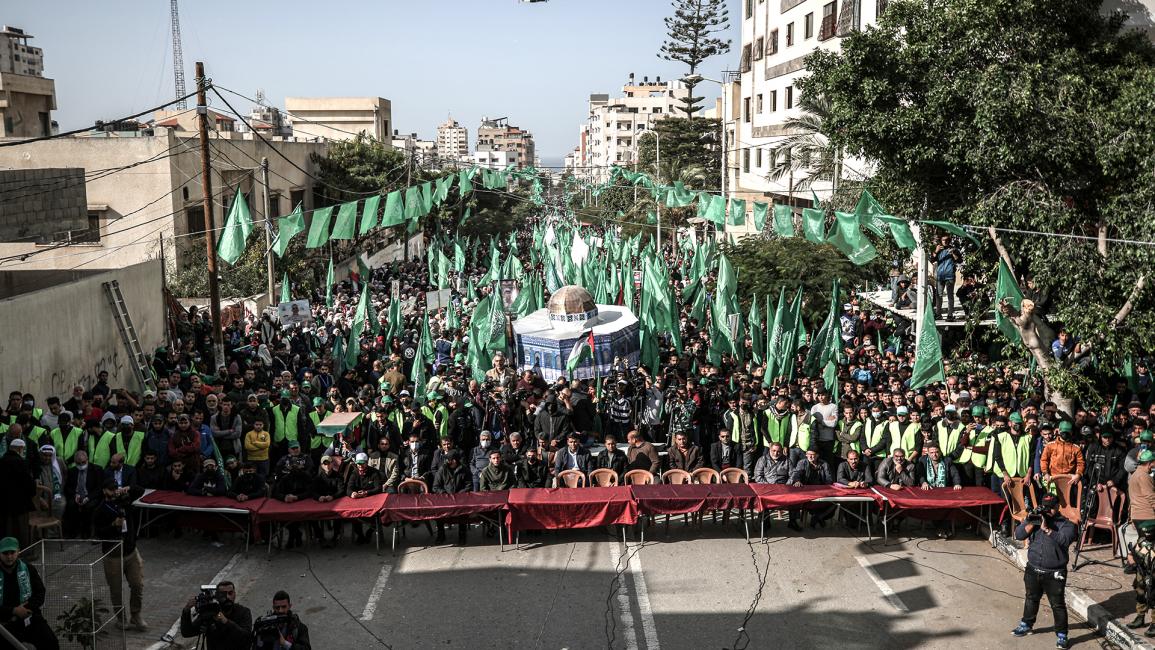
<point>408,182</point>
<point>210,228</point>
<point>268,226</point>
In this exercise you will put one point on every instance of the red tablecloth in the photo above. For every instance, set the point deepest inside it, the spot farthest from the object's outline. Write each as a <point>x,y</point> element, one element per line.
<point>682,499</point>
<point>773,497</point>
<point>311,509</point>
<point>915,499</point>
<point>182,501</point>
<point>550,508</point>
<point>425,507</point>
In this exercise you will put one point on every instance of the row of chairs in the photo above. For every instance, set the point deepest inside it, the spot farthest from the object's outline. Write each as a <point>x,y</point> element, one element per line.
<point>1108,513</point>
<point>574,478</point>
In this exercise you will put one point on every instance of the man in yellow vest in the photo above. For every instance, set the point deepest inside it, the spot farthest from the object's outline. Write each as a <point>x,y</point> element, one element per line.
<point>877,444</point>
<point>850,430</point>
<point>436,413</point>
<point>1010,456</point>
<point>777,422</point>
<point>948,433</point>
<point>125,441</point>
<point>973,459</point>
<point>286,426</point>
<point>66,438</point>
<point>802,438</point>
<point>904,433</point>
<point>318,442</point>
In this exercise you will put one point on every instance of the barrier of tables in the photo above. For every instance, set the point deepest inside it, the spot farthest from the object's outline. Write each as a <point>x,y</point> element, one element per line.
<point>939,503</point>
<point>460,506</point>
<point>554,508</point>
<point>173,502</point>
<point>665,499</point>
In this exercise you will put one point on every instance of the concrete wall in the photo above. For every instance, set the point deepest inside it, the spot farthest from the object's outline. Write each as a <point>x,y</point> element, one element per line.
<point>37,203</point>
<point>53,339</point>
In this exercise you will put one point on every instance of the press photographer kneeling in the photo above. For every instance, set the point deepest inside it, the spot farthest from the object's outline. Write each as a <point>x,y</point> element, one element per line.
<point>214,612</point>
<point>280,629</point>
<point>1050,535</point>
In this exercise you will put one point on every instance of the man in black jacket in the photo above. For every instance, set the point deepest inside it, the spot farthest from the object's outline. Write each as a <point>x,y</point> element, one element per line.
<point>1105,462</point>
<point>230,627</point>
<point>452,477</point>
<point>364,481</point>
<point>811,470</point>
<point>285,631</point>
<point>854,473</point>
<point>20,607</point>
<point>725,453</point>
<point>81,495</point>
<point>110,522</point>
<point>17,489</point>
<point>1051,536</point>
<point>533,470</point>
<point>612,458</point>
<point>416,460</point>
<point>294,483</point>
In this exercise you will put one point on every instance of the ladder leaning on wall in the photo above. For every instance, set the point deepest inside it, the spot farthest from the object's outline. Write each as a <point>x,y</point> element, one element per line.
<point>140,365</point>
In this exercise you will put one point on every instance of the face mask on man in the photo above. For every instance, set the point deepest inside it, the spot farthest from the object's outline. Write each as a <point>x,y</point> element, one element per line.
<point>876,414</point>
<point>415,445</point>
<point>485,444</point>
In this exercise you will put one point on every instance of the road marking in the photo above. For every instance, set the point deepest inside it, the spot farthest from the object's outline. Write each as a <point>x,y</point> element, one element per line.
<point>887,592</point>
<point>649,629</point>
<point>223,574</point>
<point>375,595</point>
<point>625,612</point>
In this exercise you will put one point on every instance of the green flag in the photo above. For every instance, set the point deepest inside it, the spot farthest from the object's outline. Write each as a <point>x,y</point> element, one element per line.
<point>775,337</point>
<point>369,214</point>
<point>928,367</point>
<point>900,230</point>
<point>319,228</point>
<point>238,227</point>
<point>426,197</point>
<point>286,291</point>
<point>737,212</point>
<point>679,196</point>
<point>847,237</point>
<point>442,191</point>
<point>360,318</point>
<point>783,220</point>
<point>412,203</point>
<point>760,212</point>
<point>329,281</point>
<point>814,225</point>
<point>754,326</point>
<point>464,184</point>
<point>1007,289</point>
<point>394,214</point>
<point>868,212</point>
<point>346,225</point>
<point>287,228</point>
<point>425,346</point>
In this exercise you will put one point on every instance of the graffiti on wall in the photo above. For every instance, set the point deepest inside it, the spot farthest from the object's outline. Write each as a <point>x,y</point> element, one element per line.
<point>62,381</point>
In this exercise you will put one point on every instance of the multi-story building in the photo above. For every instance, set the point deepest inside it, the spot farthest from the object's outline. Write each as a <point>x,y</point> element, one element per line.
<point>424,150</point>
<point>452,141</point>
<point>27,99</point>
<point>124,216</point>
<point>340,118</point>
<point>611,134</point>
<point>777,35</point>
<point>496,159</point>
<point>498,135</point>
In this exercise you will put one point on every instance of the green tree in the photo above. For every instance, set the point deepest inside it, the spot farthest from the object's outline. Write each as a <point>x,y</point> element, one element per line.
<point>1032,115</point>
<point>806,155</point>
<point>692,37</point>
<point>354,168</point>
<point>689,151</point>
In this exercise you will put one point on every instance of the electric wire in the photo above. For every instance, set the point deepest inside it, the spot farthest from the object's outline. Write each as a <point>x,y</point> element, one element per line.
<point>356,619</point>
<point>26,141</point>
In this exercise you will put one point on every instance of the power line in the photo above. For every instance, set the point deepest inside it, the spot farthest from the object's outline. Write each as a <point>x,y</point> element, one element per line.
<point>87,129</point>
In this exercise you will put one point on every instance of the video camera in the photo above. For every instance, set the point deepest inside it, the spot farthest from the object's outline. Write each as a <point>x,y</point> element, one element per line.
<point>208,602</point>
<point>1036,514</point>
<point>267,629</point>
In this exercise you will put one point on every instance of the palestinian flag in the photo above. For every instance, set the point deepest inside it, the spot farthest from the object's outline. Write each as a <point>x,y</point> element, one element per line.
<point>583,349</point>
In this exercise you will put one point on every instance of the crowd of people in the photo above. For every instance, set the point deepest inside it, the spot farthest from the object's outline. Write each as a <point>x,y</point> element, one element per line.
<point>247,425</point>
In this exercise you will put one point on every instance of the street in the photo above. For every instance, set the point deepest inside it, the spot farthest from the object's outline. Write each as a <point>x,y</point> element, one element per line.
<point>688,589</point>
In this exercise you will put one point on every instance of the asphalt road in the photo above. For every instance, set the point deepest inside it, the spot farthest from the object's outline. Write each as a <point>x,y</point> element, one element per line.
<point>689,588</point>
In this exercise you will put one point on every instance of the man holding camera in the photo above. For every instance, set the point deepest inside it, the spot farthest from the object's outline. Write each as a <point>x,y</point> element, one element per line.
<point>280,629</point>
<point>1050,535</point>
<point>217,615</point>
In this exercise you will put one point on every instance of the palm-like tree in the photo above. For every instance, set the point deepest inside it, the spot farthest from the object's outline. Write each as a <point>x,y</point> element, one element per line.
<point>806,155</point>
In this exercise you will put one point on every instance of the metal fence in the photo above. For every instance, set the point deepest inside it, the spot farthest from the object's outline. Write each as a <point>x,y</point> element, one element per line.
<point>78,602</point>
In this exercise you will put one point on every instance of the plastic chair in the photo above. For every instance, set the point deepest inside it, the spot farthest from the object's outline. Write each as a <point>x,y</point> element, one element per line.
<point>604,477</point>
<point>572,478</point>
<point>638,477</point>
<point>1014,491</point>
<point>706,475</point>
<point>410,486</point>
<point>677,477</point>
<point>1065,484</point>
<point>735,475</point>
<point>1109,500</point>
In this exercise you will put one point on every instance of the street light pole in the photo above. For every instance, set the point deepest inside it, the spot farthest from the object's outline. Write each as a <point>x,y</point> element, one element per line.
<point>657,173</point>
<point>695,79</point>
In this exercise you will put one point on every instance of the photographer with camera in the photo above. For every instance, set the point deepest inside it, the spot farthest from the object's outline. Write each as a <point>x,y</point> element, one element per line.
<point>280,629</point>
<point>1050,535</point>
<point>214,612</point>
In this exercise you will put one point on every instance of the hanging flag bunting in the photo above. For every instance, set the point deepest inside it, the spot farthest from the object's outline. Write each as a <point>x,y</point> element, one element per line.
<point>814,225</point>
<point>345,227</point>
<point>783,220</point>
<point>287,228</point>
<point>394,210</point>
<point>238,227</point>
<point>847,237</point>
<point>369,214</point>
<point>319,229</point>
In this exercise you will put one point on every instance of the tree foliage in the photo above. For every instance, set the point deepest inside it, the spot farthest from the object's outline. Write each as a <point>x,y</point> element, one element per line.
<point>361,166</point>
<point>689,151</point>
<point>692,37</point>
<point>1033,115</point>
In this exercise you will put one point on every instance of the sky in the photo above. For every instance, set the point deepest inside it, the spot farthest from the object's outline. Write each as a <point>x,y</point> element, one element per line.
<point>535,63</point>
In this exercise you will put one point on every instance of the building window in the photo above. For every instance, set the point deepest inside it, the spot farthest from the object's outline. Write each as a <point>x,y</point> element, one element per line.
<point>745,109</point>
<point>744,66</point>
<point>749,8</point>
<point>758,158</point>
<point>773,101</point>
<point>790,35</point>
<point>760,104</point>
<point>881,7</point>
<point>772,157</point>
<point>194,216</point>
<point>772,43</point>
<point>808,26</point>
<point>829,21</point>
<point>758,46</point>
<point>296,197</point>
<point>789,97</point>
<point>92,234</point>
<point>746,161</point>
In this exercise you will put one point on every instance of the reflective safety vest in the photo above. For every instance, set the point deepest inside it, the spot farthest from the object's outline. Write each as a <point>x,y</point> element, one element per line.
<point>906,438</point>
<point>800,433</point>
<point>285,425</point>
<point>104,448</point>
<point>777,429</point>
<point>320,440</point>
<point>947,438</point>
<point>980,438</point>
<point>855,428</point>
<point>66,444</point>
<point>440,418</point>
<point>1013,455</point>
<point>873,433</point>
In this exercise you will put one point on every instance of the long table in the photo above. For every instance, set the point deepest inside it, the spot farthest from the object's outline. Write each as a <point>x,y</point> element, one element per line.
<point>938,503</point>
<point>230,510</point>
<point>665,499</point>
<point>278,513</point>
<point>780,497</point>
<point>555,508</point>
<point>400,508</point>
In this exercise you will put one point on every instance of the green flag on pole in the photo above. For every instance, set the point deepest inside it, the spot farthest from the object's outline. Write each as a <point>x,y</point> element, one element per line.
<point>319,228</point>
<point>329,280</point>
<point>847,237</point>
<point>238,227</point>
<point>288,227</point>
<point>900,230</point>
<point>286,291</point>
<point>360,318</point>
<point>928,367</point>
<point>754,326</point>
<point>1007,289</point>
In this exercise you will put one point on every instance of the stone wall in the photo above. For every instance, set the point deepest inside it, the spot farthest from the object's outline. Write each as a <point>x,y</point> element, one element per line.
<point>35,204</point>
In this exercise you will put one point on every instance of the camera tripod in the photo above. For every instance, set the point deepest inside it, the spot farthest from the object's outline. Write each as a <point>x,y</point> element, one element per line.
<point>1087,509</point>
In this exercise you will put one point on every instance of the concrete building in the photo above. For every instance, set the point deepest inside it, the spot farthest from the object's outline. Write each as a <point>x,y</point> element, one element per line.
<point>27,99</point>
<point>452,140</point>
<point>423,150</point>
<point>498,135</point>
<point>129,212</point>
<point>611,134</point>
<point>499,159</point>
<point>186,121</point>
<point>776,38</point>
<point>339,118</point>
